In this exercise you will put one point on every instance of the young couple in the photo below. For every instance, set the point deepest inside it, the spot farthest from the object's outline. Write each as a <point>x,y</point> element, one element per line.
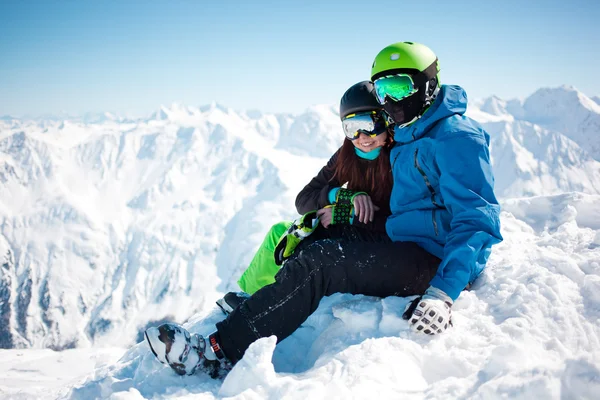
<point>406,207</point>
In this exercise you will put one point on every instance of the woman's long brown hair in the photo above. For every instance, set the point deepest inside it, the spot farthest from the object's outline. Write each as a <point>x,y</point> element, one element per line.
<point>376,179</point>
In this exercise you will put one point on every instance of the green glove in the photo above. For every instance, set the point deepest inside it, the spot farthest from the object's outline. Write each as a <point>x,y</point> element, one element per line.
<point>300,229</point>
<point>343,208</point>
<point>341,214</point>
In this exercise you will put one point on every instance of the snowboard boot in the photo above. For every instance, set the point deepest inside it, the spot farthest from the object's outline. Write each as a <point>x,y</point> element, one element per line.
<point>231,301</point>
<point>187,353</point>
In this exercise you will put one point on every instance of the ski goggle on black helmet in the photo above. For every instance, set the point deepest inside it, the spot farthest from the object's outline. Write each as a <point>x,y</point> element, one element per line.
<point>371,123</point>
<point>361,112</point>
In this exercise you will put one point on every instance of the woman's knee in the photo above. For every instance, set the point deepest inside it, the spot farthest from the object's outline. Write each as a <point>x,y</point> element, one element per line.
<point>314,257</point>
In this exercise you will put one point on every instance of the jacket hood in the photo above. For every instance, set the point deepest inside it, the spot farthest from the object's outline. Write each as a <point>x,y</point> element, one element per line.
<point>451,99</point>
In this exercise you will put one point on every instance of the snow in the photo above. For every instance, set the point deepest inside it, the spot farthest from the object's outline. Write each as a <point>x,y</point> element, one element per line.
<point>114,224</point>
<point>37,374</point>
<point>528,329</point>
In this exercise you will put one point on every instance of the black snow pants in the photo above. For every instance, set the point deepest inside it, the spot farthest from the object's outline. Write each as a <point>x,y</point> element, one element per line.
<point>349,260</point>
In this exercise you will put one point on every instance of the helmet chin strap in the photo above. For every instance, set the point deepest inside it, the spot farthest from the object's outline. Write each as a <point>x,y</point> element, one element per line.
<point>429,99</point>
<point>397,109</point>
<point>408,123</point>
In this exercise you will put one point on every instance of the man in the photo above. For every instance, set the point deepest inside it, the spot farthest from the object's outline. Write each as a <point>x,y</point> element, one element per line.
<point>443,194</point>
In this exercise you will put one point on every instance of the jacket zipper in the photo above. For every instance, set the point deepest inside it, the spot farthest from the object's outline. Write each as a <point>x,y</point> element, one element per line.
<point>423,174</point>
<point>426,179</point>
<point>431,190</point>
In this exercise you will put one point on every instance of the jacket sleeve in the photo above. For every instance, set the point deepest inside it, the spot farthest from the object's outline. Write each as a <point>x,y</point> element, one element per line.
<point>315,195</point>
<point>467,187</point>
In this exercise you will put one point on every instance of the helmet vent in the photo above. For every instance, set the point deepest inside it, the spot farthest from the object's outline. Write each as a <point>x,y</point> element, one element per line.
<point>409,42</point>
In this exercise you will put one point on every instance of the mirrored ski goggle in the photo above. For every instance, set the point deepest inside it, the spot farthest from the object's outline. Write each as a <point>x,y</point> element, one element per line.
<point>397,87</point>
<point>370,123</point>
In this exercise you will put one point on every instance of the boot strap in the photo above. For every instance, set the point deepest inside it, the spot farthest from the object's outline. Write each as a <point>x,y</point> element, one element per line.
<point>216,347</point>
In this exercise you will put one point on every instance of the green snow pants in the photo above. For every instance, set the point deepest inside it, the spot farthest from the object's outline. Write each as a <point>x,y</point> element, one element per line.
<point>262,269</point>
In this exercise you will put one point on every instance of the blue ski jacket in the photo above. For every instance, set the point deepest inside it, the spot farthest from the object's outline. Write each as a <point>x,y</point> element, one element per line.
<point>443,193</point>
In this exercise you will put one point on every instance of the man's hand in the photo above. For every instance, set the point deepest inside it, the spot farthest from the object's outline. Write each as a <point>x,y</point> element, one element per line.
<point>364,208</point>
<point>430,313</point>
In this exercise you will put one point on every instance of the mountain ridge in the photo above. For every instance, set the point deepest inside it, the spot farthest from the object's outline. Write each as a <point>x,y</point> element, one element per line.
<point>109,225</point>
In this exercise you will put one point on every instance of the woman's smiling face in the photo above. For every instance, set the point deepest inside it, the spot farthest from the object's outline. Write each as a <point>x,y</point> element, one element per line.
<point>366,143</point>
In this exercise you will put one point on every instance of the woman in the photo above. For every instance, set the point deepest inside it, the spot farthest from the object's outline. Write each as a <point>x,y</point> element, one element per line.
<point>361,165</point>
<point>347,215</point>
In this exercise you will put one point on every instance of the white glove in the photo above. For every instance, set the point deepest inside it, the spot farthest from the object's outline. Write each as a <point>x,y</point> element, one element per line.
<point>430,313</point>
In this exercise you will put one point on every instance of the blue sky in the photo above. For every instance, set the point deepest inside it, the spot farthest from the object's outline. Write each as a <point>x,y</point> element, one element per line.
<point>132,56</point>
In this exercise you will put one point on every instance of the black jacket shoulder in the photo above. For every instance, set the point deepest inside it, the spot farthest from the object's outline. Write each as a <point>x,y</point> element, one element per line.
<point>315,195</point>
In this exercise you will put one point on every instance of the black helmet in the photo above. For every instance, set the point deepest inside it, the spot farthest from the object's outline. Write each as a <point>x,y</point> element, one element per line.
<point>359,98</point>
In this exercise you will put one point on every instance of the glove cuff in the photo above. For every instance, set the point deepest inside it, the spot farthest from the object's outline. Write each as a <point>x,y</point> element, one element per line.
<point>435,293</point>
<point>346,196</point>
<point>356,194</point>
<point>291,238</point>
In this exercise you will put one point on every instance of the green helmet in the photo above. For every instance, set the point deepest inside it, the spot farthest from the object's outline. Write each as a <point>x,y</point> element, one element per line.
<point>404,57</point>
<point>418,61</point>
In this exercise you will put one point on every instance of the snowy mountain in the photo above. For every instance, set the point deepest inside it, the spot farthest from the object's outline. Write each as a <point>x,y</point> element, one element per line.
<point>111,223</point>
<point>568,111</point>
<point>511,109</point>
<point>564,110</point>
<point>530,160</point>
<point>539,146</point>
<point>310,133</point>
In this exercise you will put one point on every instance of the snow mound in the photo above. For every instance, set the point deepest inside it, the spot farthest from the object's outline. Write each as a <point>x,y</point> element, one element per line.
<point>529,328</point>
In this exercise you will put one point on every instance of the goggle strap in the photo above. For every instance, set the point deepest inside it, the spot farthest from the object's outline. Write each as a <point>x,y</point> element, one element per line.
<point>359,113</point>
<point>427,74</point>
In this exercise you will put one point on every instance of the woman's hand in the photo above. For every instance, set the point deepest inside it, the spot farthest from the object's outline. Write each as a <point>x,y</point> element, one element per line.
<point>325,216</point>
<point>364,209</point>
